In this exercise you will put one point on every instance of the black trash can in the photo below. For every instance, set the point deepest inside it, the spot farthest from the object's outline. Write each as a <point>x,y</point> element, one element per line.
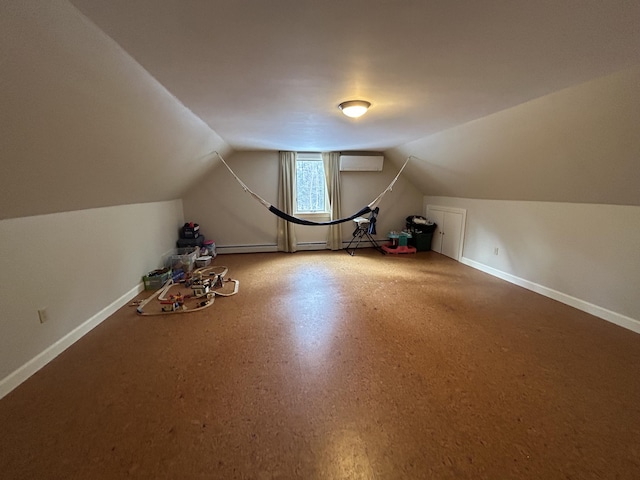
<point>422,241</point>
<point>421,232</point>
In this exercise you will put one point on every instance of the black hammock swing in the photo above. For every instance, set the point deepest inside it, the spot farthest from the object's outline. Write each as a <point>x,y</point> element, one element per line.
<point>301,221</point>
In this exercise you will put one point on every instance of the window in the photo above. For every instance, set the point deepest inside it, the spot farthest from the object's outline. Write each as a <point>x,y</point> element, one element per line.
<point>311,186</point>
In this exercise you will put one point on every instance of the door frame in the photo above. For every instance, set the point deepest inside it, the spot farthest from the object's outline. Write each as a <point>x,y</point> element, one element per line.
<point>462,211</point>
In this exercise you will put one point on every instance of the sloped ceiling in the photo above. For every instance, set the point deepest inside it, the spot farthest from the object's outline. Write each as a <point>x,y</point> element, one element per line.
<point>119,102</point>
<point>577,145</point>
<point>270,74</point>
<point>82,124</point>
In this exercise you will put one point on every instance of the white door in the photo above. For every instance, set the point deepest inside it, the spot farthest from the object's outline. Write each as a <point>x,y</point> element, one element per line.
<point>437,217</point>
<point>447,238</point>
<point>451,237</point>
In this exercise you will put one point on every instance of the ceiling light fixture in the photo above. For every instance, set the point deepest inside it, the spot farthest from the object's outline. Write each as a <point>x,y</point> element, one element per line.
<point>354,108</point>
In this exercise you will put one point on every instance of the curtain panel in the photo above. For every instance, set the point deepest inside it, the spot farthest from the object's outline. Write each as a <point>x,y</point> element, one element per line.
<point>331,162</point>
<point>286,231</point>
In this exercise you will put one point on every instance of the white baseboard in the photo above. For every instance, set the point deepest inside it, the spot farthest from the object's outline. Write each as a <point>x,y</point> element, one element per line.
<point>608,315</point>
<point>14,379</point>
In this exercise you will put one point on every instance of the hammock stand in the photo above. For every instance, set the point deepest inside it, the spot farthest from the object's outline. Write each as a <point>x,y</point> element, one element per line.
<point>301,221</point>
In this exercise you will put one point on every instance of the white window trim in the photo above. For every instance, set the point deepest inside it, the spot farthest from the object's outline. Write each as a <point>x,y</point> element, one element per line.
<point>326,214</point>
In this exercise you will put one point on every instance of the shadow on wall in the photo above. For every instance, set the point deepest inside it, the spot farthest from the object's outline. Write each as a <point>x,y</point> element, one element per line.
<point>431,178</point>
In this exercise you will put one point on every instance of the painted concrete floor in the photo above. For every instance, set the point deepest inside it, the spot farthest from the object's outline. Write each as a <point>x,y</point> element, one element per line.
<point>327,366</point>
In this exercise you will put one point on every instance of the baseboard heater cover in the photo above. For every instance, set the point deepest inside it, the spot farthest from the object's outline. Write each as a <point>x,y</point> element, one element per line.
<point>263,248</point>
<point>267,248</point>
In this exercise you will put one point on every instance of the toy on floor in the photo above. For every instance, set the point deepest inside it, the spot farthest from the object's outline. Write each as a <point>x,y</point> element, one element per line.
<point>192,293</point>
<point>399,243</point>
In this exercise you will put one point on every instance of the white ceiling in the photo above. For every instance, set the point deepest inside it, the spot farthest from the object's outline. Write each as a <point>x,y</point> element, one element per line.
<point>270,74</point>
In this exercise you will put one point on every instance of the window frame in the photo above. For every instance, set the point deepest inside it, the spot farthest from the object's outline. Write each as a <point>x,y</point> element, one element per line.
<point>311,157</point>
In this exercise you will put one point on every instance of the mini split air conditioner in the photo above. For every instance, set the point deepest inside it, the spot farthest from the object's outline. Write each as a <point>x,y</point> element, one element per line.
<point>361,163</point>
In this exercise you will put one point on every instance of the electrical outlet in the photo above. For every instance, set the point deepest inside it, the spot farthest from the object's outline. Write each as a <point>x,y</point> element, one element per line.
<point>44,316</point>
<point>495,251</point>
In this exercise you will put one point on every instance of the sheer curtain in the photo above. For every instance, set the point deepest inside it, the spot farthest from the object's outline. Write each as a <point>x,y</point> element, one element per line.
<point>286,231</point>
<point>331,162</point>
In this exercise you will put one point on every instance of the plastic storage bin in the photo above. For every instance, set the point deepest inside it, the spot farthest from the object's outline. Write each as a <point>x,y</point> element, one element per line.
<point>190,242</point>
<point>184,259</point>
<point>155,280</point>
<point>190,230</point>
<point>209,248</point>
<point>203,261</point>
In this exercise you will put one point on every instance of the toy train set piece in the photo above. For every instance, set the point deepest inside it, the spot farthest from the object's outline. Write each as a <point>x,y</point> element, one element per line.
<point>191,293</point>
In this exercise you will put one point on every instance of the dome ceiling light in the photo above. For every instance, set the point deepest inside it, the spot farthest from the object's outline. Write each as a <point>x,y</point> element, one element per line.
<point>354,108</point>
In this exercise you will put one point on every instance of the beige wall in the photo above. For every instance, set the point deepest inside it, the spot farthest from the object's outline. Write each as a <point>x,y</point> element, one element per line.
<point>83,125</point>
<point>578,145</point>
<point>226,213</point>
<point>78,265</point>
<point>231,217</point>
<point>554,185</point>
<point>585,255</point>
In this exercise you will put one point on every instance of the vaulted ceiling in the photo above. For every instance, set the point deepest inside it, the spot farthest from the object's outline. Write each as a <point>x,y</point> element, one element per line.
<point>122,101</point>
<point>270,74</point>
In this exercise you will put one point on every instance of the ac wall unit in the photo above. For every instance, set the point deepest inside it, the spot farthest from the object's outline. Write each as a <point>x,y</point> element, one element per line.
<point>361,163</point>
